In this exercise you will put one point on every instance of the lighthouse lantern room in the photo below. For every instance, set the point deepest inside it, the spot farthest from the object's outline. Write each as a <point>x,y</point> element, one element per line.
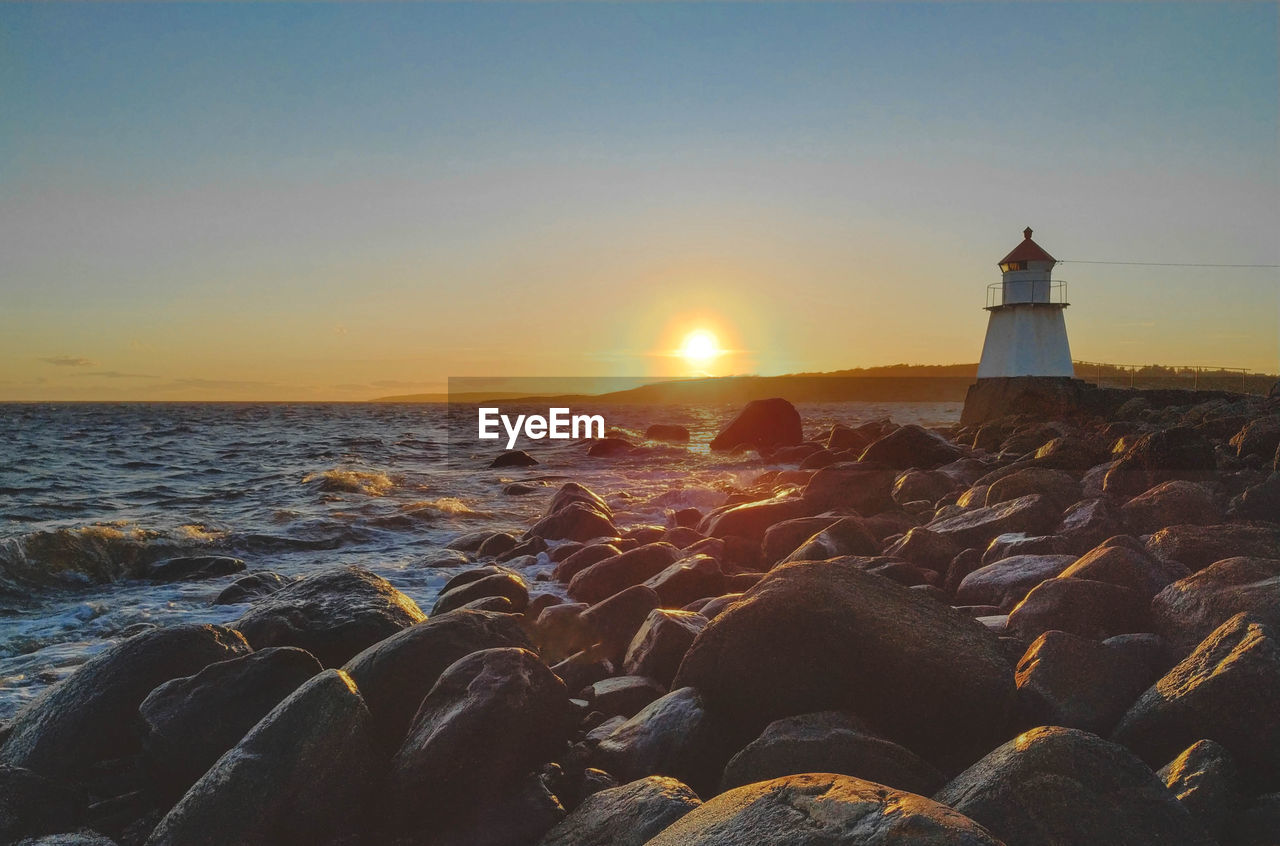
<point>1026,331</point>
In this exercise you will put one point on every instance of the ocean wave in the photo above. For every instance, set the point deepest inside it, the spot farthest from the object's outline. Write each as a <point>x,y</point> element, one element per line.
<point>337,480</point>
<point>93,554</point>
<point>448,506</point>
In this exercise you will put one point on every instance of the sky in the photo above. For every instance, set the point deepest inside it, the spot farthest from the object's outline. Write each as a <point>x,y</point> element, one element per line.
<point>328,201</point>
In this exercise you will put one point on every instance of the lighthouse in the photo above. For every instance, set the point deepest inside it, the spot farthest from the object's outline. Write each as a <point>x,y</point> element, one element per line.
<point>1026,330</point>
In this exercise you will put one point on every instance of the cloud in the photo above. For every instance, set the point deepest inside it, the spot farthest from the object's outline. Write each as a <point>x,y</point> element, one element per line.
<point>68,361</point>
<point>115,374</point>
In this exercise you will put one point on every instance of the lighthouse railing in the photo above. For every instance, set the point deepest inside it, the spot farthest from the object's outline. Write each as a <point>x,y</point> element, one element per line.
<point>1037,292</point>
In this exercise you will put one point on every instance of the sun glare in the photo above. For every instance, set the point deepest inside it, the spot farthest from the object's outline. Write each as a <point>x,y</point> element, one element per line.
<point>699,347</point>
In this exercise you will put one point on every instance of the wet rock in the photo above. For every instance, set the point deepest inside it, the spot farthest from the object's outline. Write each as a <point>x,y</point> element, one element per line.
<point>924,548</point>
<point>817,809</point>
<point>927,485</point>
<point>492,718</point>
<point>192,568</point>
<point>783,537</point>
<point>1033,514</point>
<point>863,488</point>
<point>571,492</point>
<point>332,614</point>
<point>583,669</point>
<point>32,805</point>
<point>682,537</point>
<point>1199,546</point>
<point>395,674</point>
<point>671,736</point>
<point>1058,486</point>
<point>251,587</point>
<point>1206,782</point>
<point>623,695</point>
<point>1224,691</point>
<point>1088,523</point>
<point>610,447</point>
<point>669,432</point>
<point>520,488</point>
<point>1172,503</point>
<point>661,643</point>
<point>1258,437</point>
<point>89,716</point>
<point>1124,561</point>
<point>911,446</point>
<point>1069,453</point>
<point>842,437</point>
<point>846,536</point>
<point>1085,608</point>
<point>605,578</point>
<point>614,621</point>
<point>1055,786</point>
<point>188,723</point>
<point>302,775</point>
<point>689,578</point>
<point>1175,453</point>
<point>763,423</point>
<point>1065,680</point>
<point>470,541</point>
<point>628,815</point>
<point>496,544</point>
<point>83,837</point>
<point>582,559</point>
<point>512,815</point>
<point>1016,543</point>
<point>506,585</point>
<point>560,631</point>
<point>577,521</point>
<point>1258,502</point>
<point>514,458</point>
<point>829,742</point>
<point>815,636</point>
<point>751,520</point>
<point>719,605</point>
<point>792,454</point>
<point>1005,583</point>
<point>1187,611</point>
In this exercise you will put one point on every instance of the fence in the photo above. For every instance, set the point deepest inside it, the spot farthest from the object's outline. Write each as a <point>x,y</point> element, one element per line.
<point>1195,377</point>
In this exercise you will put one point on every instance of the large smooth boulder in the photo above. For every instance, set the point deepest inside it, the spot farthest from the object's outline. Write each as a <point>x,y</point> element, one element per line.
<point>1173,503</point>
<point>673,735</point>
<point>188,723</point>
<point>613,622</point>
<point>1205,780</point>
<point>1226,691</point>
<point>1085,608</point>
<point>1175,453</point>
<point>922,486</point>
<point>1260,436</point>
<point>1187,611</point>
<point>822,809</point>
<point>1197,547</point>
<point>1059,486</point>
<point>751,520</point>
<point>689,578</point>
<point>829,742</point>
<point>191,568</point>
<point>846,536</point>
<point>583,558</point>
<point>661,643</point>
<point>763,424</point>
<point>911,446</point>
<point>1124,561</point>
<point>1065,680</point>
<point>1033,514</point>
<point>250,587</point>
<point>395,674</point>
<point>1258,502</point>
<point>1088,523</point>
<point>851,486</point>
<point>627,815</point>
<point>1005,583</point>
<point>576,520</point>
<point>924,548</point>
<point>827,635</point>
<point>89,716</point>
<point>304,774</point>
<point>332,614</point>
<point>1055,786</point>
<point>492,718</point>
<point>571,492</point>
<point>32,805</point>
<point>605,578</point>
<point>508,585</point>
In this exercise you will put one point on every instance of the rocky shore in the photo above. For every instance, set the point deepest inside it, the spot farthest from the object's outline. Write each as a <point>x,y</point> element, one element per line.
<point>1019,631</point>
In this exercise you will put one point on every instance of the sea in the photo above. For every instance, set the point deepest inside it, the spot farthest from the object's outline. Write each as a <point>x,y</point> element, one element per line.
<point>90,493</point>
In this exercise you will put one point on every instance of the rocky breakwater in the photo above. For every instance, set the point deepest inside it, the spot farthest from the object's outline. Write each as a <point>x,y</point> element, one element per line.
<point>1019,632</point>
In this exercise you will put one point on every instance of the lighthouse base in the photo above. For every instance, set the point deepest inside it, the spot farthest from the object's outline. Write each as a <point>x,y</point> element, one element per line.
<point>1026,340</point>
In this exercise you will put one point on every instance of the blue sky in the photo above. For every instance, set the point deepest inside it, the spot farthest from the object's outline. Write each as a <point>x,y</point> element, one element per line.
<point>338,201</point>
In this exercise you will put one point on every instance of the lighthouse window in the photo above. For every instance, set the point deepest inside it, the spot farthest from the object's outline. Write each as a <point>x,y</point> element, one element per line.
<point>1013,265</point>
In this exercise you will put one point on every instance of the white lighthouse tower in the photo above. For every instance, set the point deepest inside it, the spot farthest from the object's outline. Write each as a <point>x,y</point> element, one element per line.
<point>1027,331</point>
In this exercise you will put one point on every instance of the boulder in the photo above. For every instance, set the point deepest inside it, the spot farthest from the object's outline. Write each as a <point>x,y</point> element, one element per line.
<point>1055,786</point>
<point>689,578</point>
<point>1224,691</point>
<point>251,587</point>
<point>1187,611</point>
<point>571,492</point>
<point>1260,436</point>
<point>1069,453</point>
<point>628,815</point>
<point>752,519</point>
<point>661,643</point>
<point>507,585</point>
<point>852,486</point>
<point>782,538</point>
<point>560,631</point>
<point>1258,502</point>
<point>497,544</point>
<point>82,837</point>
<point>671,736</point>
<point>605,578</point>
<point>1258,822</point>
<point>821,809</point>
<point>927,485</point>
<point>582,559</point>
<point>1061,488</point>
<point>512,815</point>
<point>89,716</point>
<point>304,774</point>
<point>1005,583</point>
<point>1089,609</point>
<point>577,521</point>
<point>1124,561</point>
<point>1065,680</point>
<point>332,614</point>
<point>491,719</point>
<point>924,548</point>
<point>911,446</point>
<point>842,437</point>
<point>514,458</point>
<point>762,424</point>
<point>610,447</point>
<point>622,696</point>
<point>1197,547</point>
<point>32,805</point>
<point>829,742</point>
<point>614,621</point>
<point>1171,503</point>
<point>1205,780</point>
<point>192,568</point>
<point>815,636</point>
<point>1033,514</point>
<point>395,674</point>
<point>1175,453</point>
<point>669,432</point>
<point>846,536</point>
<point>1017,543</point>
<point>1088,523</point>
<point>188,723</point>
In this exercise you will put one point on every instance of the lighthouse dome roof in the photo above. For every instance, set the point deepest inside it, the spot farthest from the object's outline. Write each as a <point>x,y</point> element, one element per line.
<point>1028,250</point>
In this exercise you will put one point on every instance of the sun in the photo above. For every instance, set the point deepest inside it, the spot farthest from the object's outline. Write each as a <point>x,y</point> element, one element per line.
<point>700,347</point>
